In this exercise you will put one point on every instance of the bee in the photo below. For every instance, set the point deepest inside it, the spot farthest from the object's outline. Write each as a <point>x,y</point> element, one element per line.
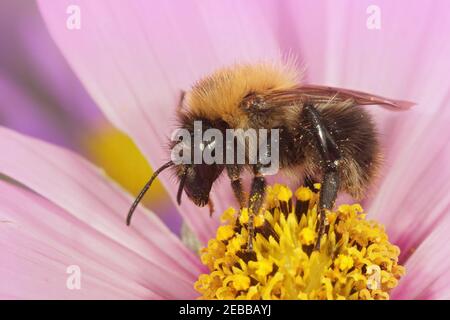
<point>325,135</point>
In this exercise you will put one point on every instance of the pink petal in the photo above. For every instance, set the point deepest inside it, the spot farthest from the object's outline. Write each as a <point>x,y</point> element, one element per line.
<point>402,60</point>
<point>413,196</point>
<point>428,269</point>
<point>40,94</point>
<point>135,59</point>
<point>83,191</point>
<point>40,241</point>
<point>19,111</point>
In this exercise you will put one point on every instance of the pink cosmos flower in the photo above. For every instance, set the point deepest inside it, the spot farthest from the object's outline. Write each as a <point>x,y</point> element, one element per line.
<point>134,60</point>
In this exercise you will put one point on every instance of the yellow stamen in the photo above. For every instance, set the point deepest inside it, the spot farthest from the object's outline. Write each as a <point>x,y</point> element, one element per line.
<point>285,194</point>
<point>303,194</point>
<point>307,236</point>
<point>355,260</point>
<point>225,232</point>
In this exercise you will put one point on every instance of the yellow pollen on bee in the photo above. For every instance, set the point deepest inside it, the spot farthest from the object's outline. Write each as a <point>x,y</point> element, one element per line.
<point>355,260</point>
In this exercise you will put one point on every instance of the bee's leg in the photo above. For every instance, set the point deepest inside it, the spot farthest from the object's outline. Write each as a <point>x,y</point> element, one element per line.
<point>327,197</point>
<point>330,155</point>
<point>256,200</point>
<point>234,173</point>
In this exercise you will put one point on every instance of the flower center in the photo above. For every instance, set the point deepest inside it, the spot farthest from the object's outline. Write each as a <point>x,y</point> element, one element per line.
<point>355,260</point>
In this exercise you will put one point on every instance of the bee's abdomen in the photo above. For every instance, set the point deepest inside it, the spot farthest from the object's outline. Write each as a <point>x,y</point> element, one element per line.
<point>354,132</point>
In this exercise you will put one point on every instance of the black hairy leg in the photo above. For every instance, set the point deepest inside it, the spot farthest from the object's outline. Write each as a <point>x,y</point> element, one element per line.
<point>330,156</point>
<point>234,173</point>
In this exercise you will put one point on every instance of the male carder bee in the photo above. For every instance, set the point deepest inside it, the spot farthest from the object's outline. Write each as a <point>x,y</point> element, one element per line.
<point>325,135</point>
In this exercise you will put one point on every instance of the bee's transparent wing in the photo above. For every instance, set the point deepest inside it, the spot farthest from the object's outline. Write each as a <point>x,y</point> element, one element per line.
<point>324,94</point>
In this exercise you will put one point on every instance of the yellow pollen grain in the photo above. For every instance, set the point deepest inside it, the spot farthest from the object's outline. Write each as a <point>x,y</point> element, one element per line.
<point>259,220</point>
<point>225,232</point>
<point>262,268</point>
<point>307,236</point>
<point>303,194</point>
<point>243,218</point>
<point>343,262</point>
<point>284,194</point>
<point>355,260</point>
<point>228,215</point>
<point>238,281</point>
<point>234,245</point>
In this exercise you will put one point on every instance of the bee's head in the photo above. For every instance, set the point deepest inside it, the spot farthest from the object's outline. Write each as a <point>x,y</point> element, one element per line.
<point>189,148</point>
<point>197,180</point>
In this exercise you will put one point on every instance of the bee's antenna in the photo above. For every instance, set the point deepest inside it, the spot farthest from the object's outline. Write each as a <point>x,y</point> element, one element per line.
<point>144,190</point>
<point>180,188</point>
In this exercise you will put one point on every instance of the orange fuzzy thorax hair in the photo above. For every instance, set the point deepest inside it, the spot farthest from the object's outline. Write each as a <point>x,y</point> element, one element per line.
<point>218,95</point>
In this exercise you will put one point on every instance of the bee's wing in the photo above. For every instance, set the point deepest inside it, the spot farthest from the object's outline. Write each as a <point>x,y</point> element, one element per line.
<point>324,94</point>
